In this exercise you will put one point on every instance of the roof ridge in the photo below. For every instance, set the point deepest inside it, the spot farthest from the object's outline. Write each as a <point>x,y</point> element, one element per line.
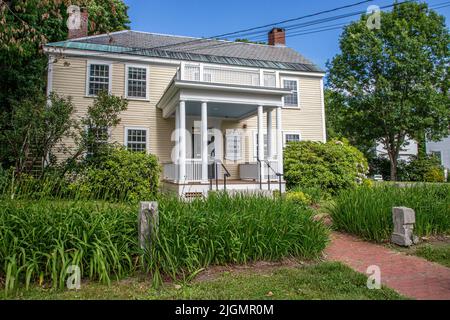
<point>202,38</point>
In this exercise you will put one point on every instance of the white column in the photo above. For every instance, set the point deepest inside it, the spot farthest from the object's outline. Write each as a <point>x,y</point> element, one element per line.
<point>269,134</point>
<point>279,141</point>
<point>182,146</point>
<point>177,136</point>
<point>261,139</point>
<point>204,146</point>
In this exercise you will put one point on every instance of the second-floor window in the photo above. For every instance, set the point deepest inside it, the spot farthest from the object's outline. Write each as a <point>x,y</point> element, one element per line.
<point>292,99</point>
<point>98,78</point>
<point>137,82</point>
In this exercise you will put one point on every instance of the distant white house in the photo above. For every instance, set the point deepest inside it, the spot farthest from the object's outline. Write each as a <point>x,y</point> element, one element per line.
<point>440,149</point>
<point>409,149</point>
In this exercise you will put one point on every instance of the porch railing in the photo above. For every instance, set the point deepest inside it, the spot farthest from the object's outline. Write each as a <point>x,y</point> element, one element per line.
<point>193,170</point>
<point>227,75</point>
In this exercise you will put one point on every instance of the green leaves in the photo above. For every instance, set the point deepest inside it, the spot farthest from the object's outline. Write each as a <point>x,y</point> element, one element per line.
<point>331,166</point>
<point>391,80</point>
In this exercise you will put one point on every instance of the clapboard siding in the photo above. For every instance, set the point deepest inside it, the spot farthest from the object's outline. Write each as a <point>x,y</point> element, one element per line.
<point>69,79</point>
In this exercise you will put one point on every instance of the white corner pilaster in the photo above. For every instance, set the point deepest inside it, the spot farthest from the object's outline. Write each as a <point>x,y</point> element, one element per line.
<point>204,137</point>
<point>261,139</point>
<point>182,146</point>
<point>270,152</point>
<point>279,140</point>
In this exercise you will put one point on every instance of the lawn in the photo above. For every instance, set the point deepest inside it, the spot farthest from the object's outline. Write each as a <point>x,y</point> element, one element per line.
<point>324,280</point>
<point>435,250</point>
<point>438,254</point>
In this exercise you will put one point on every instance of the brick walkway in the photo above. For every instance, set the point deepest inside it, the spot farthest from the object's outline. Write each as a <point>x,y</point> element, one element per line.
<point>409,275</point>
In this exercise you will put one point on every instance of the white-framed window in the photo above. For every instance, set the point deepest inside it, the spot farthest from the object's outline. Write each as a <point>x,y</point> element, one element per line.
<point>98,77</point>
<point>270,79</point>
<point>136,82</point>
<point>97,137</point>
<point>291,100</point>
<point>256,143</point>
<point>233,143</point>
<point>291,136</point>
<point>136,139</point>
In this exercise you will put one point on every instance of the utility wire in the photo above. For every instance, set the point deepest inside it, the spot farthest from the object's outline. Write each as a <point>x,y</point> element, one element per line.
<point>303,32</point>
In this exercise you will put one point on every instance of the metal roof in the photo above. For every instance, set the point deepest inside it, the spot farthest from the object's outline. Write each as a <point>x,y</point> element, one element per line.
<point>194,49</point>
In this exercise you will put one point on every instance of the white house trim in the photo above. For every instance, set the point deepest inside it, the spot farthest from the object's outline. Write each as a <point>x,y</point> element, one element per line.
<point>139,58</point>
<point>322,98</point>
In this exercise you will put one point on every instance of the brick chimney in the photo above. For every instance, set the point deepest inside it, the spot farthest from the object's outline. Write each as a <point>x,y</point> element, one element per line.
<point>277,37</point>
<point>84,24</point>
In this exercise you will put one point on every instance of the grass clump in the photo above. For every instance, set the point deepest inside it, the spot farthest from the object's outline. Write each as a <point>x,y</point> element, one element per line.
<point>239,229</point>
<point>41,238</point>
<point>367,212</point>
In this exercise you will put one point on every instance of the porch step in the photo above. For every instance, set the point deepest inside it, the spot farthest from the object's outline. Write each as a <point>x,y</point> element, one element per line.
<point>252,192</point>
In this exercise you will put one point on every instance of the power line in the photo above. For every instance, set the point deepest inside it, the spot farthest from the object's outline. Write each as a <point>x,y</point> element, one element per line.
<point>303,32</point>
<point>217,37</point>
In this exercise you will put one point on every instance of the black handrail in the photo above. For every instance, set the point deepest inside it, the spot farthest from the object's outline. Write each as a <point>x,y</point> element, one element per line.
<point>225,175</point>
<point>279,175</point>
<point>259,172</point>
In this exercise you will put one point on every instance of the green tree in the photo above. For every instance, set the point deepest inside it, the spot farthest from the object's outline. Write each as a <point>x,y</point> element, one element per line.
<point>35,121</point>
<point>394,80</point>
<point>25,26</point>
<point>101,116</point>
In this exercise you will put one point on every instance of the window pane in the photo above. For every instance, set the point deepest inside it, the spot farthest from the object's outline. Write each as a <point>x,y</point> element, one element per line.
<point>266,151</point>
<point>137,82</point>
<point>292,137</point>
<point>137,140</point>
<point>292,99</point>
<point>98,136</point>
<point>98,78</point>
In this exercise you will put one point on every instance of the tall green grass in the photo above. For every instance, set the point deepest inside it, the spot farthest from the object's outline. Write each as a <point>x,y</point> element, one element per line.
<point>41,238</point>
<point>367,212</point>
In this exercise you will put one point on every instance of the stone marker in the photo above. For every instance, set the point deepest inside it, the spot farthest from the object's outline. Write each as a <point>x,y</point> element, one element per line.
<point>147,223</point>
<point>404,219</point>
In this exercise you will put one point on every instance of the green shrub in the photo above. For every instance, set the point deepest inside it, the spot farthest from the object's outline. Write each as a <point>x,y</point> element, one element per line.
<point>331,166</point>
<point>427,169</point>
<point>367,212</point>
<point>299,197</point>
<point>41,238</point>
<point>434,175</point>
<point>315,194</point>
<point>118,174</point>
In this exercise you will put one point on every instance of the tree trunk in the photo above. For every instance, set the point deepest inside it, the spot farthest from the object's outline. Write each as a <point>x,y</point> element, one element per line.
<point>393,162</point>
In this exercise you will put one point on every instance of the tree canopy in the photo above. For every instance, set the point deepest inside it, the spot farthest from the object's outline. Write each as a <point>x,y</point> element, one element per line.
<point>25,26</point>
<point>393,82</point>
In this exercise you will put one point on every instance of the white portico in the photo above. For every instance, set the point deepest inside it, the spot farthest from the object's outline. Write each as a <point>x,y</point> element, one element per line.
<point>197,107</point>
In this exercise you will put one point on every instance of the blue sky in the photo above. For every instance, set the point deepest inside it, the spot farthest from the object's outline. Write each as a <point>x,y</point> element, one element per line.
<point>206,18</point>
